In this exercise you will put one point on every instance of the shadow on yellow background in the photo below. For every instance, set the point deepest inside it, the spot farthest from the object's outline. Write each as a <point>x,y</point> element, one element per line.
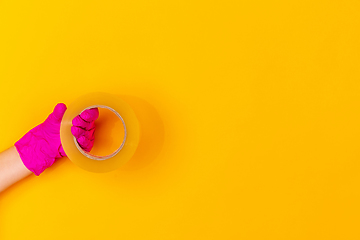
<point>152,133</point>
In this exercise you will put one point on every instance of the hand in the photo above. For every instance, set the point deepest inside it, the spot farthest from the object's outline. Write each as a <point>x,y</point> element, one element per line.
<point>41,146</point>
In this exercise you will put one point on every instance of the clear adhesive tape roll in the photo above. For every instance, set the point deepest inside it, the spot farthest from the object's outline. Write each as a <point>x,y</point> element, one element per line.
<point>85,159</point>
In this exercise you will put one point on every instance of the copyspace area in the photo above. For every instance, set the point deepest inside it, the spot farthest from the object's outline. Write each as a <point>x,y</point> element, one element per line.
<point>255,117</point>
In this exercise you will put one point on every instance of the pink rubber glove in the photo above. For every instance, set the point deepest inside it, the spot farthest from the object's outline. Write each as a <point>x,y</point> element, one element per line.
<point>41,146</point>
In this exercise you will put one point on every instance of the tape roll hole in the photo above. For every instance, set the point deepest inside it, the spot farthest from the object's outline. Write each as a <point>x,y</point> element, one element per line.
<point>110,134</point>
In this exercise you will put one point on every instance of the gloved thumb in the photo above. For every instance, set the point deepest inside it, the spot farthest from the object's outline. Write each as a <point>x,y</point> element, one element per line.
<point>58,112</point>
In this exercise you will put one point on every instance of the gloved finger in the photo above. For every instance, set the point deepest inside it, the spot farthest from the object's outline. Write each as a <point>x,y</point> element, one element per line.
<point>89,146</point>
<point>85,143</point>
<point>90,134</point>
<point>79,122</point>
<point>90,115</point>
<point>77,131</point>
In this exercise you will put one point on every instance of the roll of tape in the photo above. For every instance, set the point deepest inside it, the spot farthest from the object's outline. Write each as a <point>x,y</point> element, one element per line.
<point>87,160</point>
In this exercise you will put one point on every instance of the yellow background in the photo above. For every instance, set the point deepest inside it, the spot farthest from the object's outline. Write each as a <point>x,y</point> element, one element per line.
<point>259,101</point>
